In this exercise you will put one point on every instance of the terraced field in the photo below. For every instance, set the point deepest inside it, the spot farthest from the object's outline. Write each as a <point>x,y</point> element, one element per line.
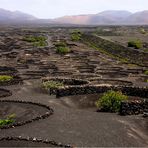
<point>67,115</point>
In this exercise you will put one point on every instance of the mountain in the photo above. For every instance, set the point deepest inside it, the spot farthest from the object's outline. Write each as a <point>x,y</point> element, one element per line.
<point>115,14</point>
<point>138,18</point>
<point>6,15</point>
<point>79,19</point>
<point>105,17</point>
<point>110,17</point>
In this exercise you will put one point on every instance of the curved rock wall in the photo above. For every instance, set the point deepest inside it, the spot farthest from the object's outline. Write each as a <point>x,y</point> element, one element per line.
<point>91,89</point>
<point>134,107</point>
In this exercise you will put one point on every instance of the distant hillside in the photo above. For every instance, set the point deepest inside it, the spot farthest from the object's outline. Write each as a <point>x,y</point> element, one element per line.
<point>138,18</point>
<point>111,17</point>
<point>6,15</point>
<point>107,18</point>
<point>79,19</point>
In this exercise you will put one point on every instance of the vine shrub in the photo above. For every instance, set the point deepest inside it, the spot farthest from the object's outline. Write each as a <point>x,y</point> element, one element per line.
<point>111,101</point>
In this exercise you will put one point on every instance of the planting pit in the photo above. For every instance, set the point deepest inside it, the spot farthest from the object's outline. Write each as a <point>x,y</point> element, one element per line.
<point>80,101</point>
<point>13,81</point>
<point>25,112</point>
<point>67,81</point>
<point>142,79</point>
<point>111,68</point>
<point>4,93</point>
<point>7,70</point>
<point>95,81</point>
<point>28,142</point>
<point>87,101</point>
<point>85,76</point>
<point>11,74</point>
<point>61,73</point>
<point>112,74</point>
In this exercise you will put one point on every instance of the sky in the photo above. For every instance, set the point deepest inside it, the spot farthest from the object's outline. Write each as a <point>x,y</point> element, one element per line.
<point>58,8</point>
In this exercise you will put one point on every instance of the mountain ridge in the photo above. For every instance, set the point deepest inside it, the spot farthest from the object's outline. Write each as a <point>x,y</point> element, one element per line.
<point>14,15</point>
<point>109,17</point>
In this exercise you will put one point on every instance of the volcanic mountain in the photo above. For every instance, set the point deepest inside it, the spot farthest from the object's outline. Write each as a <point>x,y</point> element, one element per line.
<point>111,17</point>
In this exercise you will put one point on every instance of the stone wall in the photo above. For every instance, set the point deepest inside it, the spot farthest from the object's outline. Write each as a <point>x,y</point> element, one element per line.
<point>134,107</point>
<point>132,55</point>
<point>91,89</point>
<point>66,81</point>
<point>44,116</point>
<point>80,90</point>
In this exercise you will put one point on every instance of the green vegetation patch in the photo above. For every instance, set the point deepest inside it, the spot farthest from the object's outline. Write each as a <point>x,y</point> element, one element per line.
<point>38,41</point>
<point>107,32</point>
<point>39,44</point>
<point>52,84</point>
<point>145,50</point>
<point>142,31</point>
<point>146,72</point>
<point>8,120</point>
<point>137,44</point>
<point>61,43</point>
<point>111,101</point>
<point>5,78</point>
<point>62,48</point>
<point>4,122</point>
<point>122,59</point>
<point>114,50</point>
<point>76,35</point>
<point>131,65</point>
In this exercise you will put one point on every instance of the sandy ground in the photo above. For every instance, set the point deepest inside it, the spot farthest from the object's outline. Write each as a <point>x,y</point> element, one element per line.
<point>75,120</point>
<point>22,111</point>
<point>14,143</point>
<point>78,126</point>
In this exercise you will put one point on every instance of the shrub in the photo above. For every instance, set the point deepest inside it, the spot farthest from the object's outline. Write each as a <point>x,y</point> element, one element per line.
<point>5,78</point>
<point>36,40</point>
<point>8,120</point>
<point>146,72</point>
<point>59,44</point>
<point>52,84</point>
<point>11,116</point>
<point>5,122</point>
<point>62,48</point>
<point>145,50</point>
<point>39,44</point>
<point>29,39</point>
<point>76,35</point>
<point>142,31</point>
<point>136,44</point>
<point>111,101</point>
